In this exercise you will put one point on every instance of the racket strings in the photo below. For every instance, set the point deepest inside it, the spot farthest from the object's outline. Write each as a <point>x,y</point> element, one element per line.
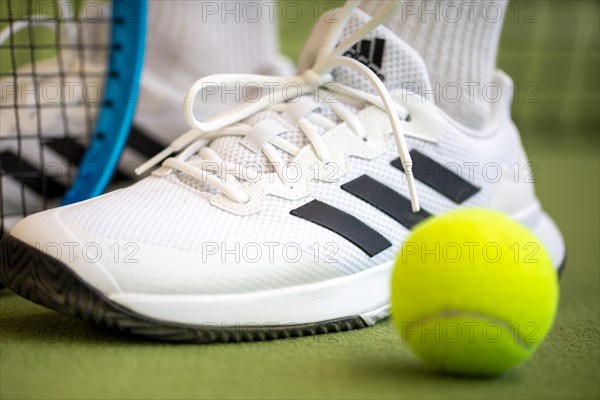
<point>13,61</point>
<point>42,140</point>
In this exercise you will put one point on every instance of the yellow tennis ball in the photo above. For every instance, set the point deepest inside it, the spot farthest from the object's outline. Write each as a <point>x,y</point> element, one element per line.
<point>473,292</point>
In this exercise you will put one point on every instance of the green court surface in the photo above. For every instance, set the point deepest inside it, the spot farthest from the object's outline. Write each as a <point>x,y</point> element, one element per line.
<point>44,354</point>
<point>47,355</point>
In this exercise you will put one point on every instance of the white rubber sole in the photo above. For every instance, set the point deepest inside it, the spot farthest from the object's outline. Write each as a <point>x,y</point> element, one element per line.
<point>365,294</point>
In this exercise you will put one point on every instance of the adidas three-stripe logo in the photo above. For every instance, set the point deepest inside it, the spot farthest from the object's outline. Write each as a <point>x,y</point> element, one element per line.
<point>369,53</point>
<point>426,170</point>
<point>69,149</point>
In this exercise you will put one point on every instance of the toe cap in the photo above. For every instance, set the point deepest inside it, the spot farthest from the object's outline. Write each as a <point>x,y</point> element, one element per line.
<point>55,236</point>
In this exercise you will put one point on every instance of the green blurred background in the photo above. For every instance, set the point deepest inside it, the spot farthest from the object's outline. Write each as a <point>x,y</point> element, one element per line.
<point>551,49</point>
<point>47,355</point>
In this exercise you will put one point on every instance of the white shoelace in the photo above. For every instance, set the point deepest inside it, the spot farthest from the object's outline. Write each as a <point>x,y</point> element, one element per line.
<point>264,135</point>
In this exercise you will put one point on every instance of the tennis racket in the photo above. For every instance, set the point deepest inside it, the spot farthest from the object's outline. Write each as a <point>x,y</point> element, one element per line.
<point>69,82</point>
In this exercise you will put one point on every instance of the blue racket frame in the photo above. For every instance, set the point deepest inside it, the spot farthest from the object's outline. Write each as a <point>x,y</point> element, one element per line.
<point>120,97</point>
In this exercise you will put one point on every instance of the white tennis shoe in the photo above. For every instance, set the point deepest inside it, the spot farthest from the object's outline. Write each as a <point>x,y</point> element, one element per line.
<point>283,217</point>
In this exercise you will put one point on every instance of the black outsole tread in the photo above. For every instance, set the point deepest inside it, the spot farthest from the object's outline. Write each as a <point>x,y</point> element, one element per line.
<point>46,281</point>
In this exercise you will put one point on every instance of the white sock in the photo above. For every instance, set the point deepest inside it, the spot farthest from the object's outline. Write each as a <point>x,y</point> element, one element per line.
<point>458,42</point>
<point>187,40</point>
<point>210,37</point>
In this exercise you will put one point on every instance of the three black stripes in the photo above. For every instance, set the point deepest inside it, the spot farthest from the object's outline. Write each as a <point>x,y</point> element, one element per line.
<point>387,200</point>
<point>72,151</point>
<point>380,196</point>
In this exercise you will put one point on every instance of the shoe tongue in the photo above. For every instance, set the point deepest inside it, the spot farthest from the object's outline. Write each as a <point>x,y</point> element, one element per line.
<point>396,63</point>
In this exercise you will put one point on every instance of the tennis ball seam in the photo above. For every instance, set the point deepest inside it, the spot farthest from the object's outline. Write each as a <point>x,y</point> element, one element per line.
<point>469,314</point>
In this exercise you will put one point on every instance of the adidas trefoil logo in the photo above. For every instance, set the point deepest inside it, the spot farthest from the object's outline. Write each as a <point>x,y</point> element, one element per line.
<point>370,53</point>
